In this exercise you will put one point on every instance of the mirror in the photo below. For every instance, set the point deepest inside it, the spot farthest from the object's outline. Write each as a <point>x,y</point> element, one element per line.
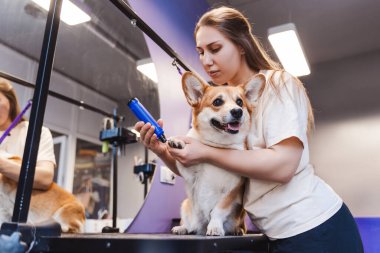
<point>95,62</point>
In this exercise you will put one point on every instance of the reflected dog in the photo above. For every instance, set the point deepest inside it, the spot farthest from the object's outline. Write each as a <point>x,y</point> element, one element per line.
<point>54,203</point>
<point>222,119</point>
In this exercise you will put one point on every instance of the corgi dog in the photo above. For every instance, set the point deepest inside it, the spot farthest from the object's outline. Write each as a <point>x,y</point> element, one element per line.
<point>54,203</point>
<point>221,117</point>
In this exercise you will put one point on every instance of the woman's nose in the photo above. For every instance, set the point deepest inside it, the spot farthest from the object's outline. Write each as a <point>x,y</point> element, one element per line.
<point>207,59</point>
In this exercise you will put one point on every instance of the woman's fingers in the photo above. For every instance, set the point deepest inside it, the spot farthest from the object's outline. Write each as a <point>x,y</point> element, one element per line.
<point>139,125</point>
<point>148,136</point>
<point>160,123</point>
<point>143,131</point>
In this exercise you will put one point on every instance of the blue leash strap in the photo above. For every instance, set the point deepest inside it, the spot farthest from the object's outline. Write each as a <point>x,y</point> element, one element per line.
<point>15,121</point>
<point>175,64</point>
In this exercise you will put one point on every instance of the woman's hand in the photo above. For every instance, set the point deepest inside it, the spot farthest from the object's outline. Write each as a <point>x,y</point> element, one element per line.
<point>149,138</point>
<point>192,154</point>
<point>43,177</point>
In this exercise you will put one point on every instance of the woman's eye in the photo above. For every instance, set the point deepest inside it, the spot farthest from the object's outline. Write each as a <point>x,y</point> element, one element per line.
<point>239,102</point>
<point>217,102</point>
<point>215,50</point>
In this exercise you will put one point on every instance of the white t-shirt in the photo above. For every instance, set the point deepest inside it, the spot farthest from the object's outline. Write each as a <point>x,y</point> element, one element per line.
<point>14,144</point>
<point>284,210</point>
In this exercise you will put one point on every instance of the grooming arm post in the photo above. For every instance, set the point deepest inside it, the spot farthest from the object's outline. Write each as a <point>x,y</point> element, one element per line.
<point>25,185</point>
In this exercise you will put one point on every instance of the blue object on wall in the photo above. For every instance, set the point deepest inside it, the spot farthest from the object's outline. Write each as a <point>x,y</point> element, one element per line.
<point>370,232</point>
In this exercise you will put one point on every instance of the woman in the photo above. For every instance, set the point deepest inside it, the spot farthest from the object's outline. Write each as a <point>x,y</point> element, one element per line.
<point>297,210</point>
<point>14,144</point>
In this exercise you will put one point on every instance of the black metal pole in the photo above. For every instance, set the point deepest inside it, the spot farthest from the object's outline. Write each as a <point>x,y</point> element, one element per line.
<point>25,184</point>
<point>115,145</point>
<point>114,183</point>
<point>145,181</point>
<point>114,228</point>
<point>145,186</point>
<point>124,8</point>
<point>114,178</point>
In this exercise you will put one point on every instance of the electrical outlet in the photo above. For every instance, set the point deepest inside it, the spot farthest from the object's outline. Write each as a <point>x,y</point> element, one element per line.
<point>167,176</point>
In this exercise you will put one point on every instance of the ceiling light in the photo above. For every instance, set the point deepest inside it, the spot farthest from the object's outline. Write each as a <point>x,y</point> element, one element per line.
<point>146,66</point>
<point>286,44</point>
<point>70,13</point>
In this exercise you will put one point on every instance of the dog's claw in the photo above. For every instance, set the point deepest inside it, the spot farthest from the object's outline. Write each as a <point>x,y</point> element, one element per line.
<point>215,231</point>
<point>173,143</point>
<point>179,230</point>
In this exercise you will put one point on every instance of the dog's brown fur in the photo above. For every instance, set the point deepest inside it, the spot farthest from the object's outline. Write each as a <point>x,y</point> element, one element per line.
<point>54,203</point>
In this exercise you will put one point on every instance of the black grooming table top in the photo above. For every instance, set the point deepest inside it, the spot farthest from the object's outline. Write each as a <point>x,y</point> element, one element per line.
<point>149,243</point>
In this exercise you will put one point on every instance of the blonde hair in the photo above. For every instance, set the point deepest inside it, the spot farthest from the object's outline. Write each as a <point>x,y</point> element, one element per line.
<point>236,27</point>
<point>8,91</point>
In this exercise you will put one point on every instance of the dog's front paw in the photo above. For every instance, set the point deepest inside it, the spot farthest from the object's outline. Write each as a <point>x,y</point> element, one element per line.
<point>176,143</point>
<point>179,230</point>
<point>237,232</point>
<point>215,231</point>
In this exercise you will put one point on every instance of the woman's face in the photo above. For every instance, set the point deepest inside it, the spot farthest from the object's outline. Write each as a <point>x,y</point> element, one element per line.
<point>220,57</point>
<point>4,112</point>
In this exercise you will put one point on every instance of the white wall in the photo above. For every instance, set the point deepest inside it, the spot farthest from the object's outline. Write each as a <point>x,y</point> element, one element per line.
<point>347,155</point>
<point>130,189</point>
<point>345,147</point>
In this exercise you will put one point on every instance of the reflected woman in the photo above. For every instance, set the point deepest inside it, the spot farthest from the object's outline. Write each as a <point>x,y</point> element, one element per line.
<point>14,144</point>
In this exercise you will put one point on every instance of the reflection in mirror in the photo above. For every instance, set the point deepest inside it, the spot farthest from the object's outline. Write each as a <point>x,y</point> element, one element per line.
<point>21,34</point>
<point>60,146</point>
<point>92,174</point>
<point>95,62</point>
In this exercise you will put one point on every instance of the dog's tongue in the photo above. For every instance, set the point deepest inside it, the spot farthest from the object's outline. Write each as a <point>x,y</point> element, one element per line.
<point>233,126</point>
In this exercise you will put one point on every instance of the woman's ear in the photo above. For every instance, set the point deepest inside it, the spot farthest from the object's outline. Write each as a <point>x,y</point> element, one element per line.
<point>241,49</point>
<point>193,87</point>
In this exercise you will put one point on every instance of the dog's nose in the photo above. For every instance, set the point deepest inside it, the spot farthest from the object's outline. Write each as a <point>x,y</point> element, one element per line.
<point>236,113</point>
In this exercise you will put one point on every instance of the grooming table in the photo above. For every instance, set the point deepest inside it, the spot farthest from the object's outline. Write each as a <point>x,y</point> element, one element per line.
<point>149,243</point>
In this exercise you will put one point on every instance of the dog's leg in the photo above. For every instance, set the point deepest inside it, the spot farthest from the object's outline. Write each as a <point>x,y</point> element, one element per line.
<point>228,206</point>
<point>226,221</point>
<point>215,226</point>
<point>70,217</point>
<point>235,224</point>
<point>186,219</point>
<point>186,207</point>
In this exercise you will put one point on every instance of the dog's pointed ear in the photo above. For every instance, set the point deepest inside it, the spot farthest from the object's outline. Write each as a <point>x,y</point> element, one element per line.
<point>254,88</point>
<point>193,87</point>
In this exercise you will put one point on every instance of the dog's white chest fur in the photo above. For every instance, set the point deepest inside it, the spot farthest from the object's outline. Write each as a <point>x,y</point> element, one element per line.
<point>206,179</point>
<point>207,187</point>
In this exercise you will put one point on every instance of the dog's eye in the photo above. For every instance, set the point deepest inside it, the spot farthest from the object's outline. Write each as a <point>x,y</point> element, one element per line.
<point>217,102</point>
<point>239,102</point>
